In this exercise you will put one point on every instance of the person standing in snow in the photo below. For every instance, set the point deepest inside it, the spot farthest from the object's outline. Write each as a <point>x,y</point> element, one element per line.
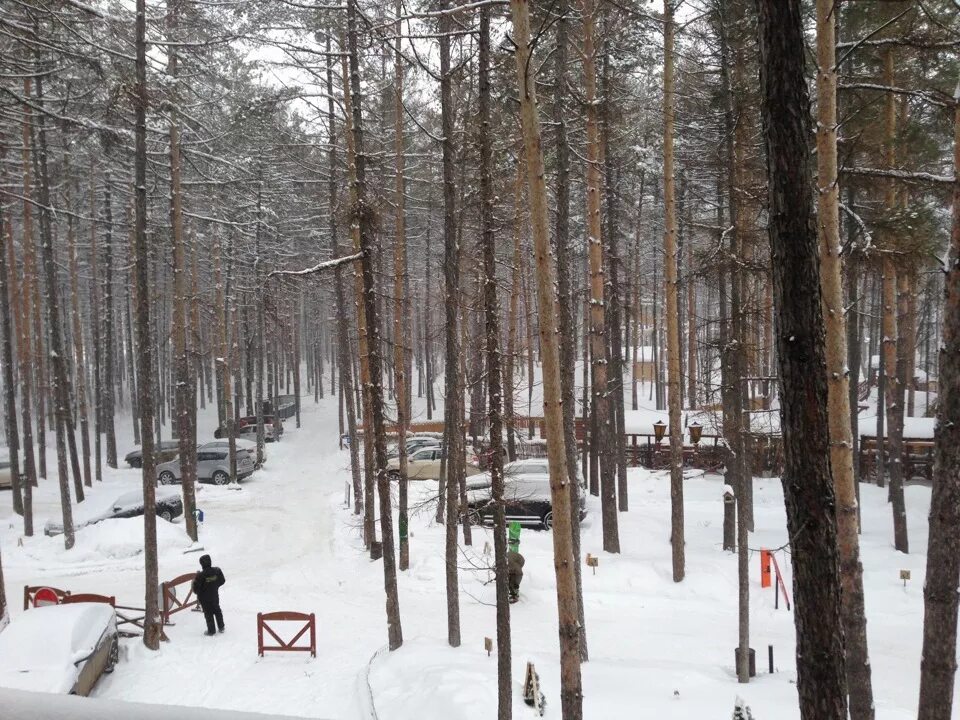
<point>515,562</point>
<point>206,586</point>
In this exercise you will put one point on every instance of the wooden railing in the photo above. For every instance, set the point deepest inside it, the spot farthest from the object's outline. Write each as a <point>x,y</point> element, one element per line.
<point>917,458</point>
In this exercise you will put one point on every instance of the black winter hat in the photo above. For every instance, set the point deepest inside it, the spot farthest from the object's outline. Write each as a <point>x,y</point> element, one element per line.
<point>205,562</point>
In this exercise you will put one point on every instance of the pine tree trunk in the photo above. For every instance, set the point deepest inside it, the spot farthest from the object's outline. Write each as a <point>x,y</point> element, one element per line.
<point>347,395</point>
<point>606,420</point>
<point>807,483</point>
<point>60,383</point>
<point>222,300</point>
<point>938,664</point>
<point>671,294</point>
<point>80,364</point>
<point>152,628</point>
<point>571,694</point>
<point>567,304</point>
<point>838,385</point>
<point>361,217</point>
<point>692,359</point>
<point>108,354</point>
<point>491,308</point>
<point>8,297</point>
<point>739,474</point>
<point>401,381</point>
<point>97,335</point>
<point>454,450</point>
<point>184,383</point>
<point>513,315</point>
<point>363,343</point>
<point>21,301</point>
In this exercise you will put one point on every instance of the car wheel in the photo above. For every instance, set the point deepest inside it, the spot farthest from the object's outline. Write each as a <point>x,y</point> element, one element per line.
<point>136,464</point>
<point>548,521</point>
<point>167,478</point>
<point>113,658</point>
<point>220,478</point>
<point>165,515</point>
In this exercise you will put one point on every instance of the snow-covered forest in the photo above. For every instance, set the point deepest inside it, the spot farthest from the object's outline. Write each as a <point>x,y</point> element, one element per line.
<point>580,358</point>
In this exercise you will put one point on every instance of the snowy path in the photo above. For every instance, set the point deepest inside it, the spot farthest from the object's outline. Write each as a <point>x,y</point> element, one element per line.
<point>285,542</point>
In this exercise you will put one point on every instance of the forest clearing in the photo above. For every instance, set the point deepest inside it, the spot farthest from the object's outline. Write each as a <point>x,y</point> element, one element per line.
<point>469,359</point>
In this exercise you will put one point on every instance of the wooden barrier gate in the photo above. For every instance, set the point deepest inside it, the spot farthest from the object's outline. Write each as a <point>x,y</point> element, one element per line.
<point>30,594</point>
<point>310,623</point>
<point>170,604</point>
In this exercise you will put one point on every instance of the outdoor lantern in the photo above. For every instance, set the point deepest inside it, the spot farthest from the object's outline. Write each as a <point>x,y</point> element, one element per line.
<point>696,432</point>
<point>659,427</point>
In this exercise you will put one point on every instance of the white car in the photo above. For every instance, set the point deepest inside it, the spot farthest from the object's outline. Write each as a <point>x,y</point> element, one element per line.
<point>424,464</point>
<point>242,444</point>
<point>59,648</point>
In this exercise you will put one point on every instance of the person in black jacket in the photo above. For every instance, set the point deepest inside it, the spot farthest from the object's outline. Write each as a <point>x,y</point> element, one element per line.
<point>206,586</point>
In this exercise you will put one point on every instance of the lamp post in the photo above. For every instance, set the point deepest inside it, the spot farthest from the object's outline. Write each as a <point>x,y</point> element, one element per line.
<point>696,432</point>
<point>659,428</point>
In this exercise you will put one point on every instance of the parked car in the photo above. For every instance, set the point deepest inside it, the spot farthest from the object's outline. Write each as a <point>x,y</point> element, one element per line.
<point>59,648</point>
<point>127,505</point>
<point>165,450</point>
<point>529,466</point>
<point>249,432</point>
<point>213,466</point>
<point>271,431</point>
<point>526,495</point>
<point>6,479</point>
<point>424,464</point>
<point>413,444</point>
<point>242,444</point>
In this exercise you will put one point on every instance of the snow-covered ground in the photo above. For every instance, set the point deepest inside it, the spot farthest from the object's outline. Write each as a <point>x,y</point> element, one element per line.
<point>285,542</point>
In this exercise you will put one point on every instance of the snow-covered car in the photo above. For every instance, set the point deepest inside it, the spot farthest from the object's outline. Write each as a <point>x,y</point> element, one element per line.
<point>127,505</point>
<point>424,464</point>
<point>59,648</point>
<point>164,450</point>
<point>242,444</point>
<point>413,444</point>
<point>249,432</point>
<point>526,495</point>
<point>213,466</point>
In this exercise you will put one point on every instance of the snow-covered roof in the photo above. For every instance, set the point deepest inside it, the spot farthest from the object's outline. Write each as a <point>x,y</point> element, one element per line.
<point>914,428</point>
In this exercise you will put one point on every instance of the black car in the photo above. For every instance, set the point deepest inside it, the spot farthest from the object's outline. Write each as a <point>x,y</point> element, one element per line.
<point>527,500</point>
<point>165,450</point>
<point>128,505</point>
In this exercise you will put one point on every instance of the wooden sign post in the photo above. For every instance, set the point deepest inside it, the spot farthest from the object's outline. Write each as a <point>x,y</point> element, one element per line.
<point>488,645</point>
<point>904,575</point>
<point>593,562</point>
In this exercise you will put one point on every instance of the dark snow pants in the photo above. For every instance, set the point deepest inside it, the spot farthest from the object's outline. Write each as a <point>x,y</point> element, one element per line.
<point>212,612</point>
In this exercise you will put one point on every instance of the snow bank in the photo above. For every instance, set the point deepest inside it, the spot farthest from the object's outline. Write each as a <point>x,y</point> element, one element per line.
<point>114,539</point>
<point>19,705</point>
<point>429,680</point>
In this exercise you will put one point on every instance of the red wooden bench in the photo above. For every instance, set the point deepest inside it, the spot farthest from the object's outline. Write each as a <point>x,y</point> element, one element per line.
<point>309,623</point>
